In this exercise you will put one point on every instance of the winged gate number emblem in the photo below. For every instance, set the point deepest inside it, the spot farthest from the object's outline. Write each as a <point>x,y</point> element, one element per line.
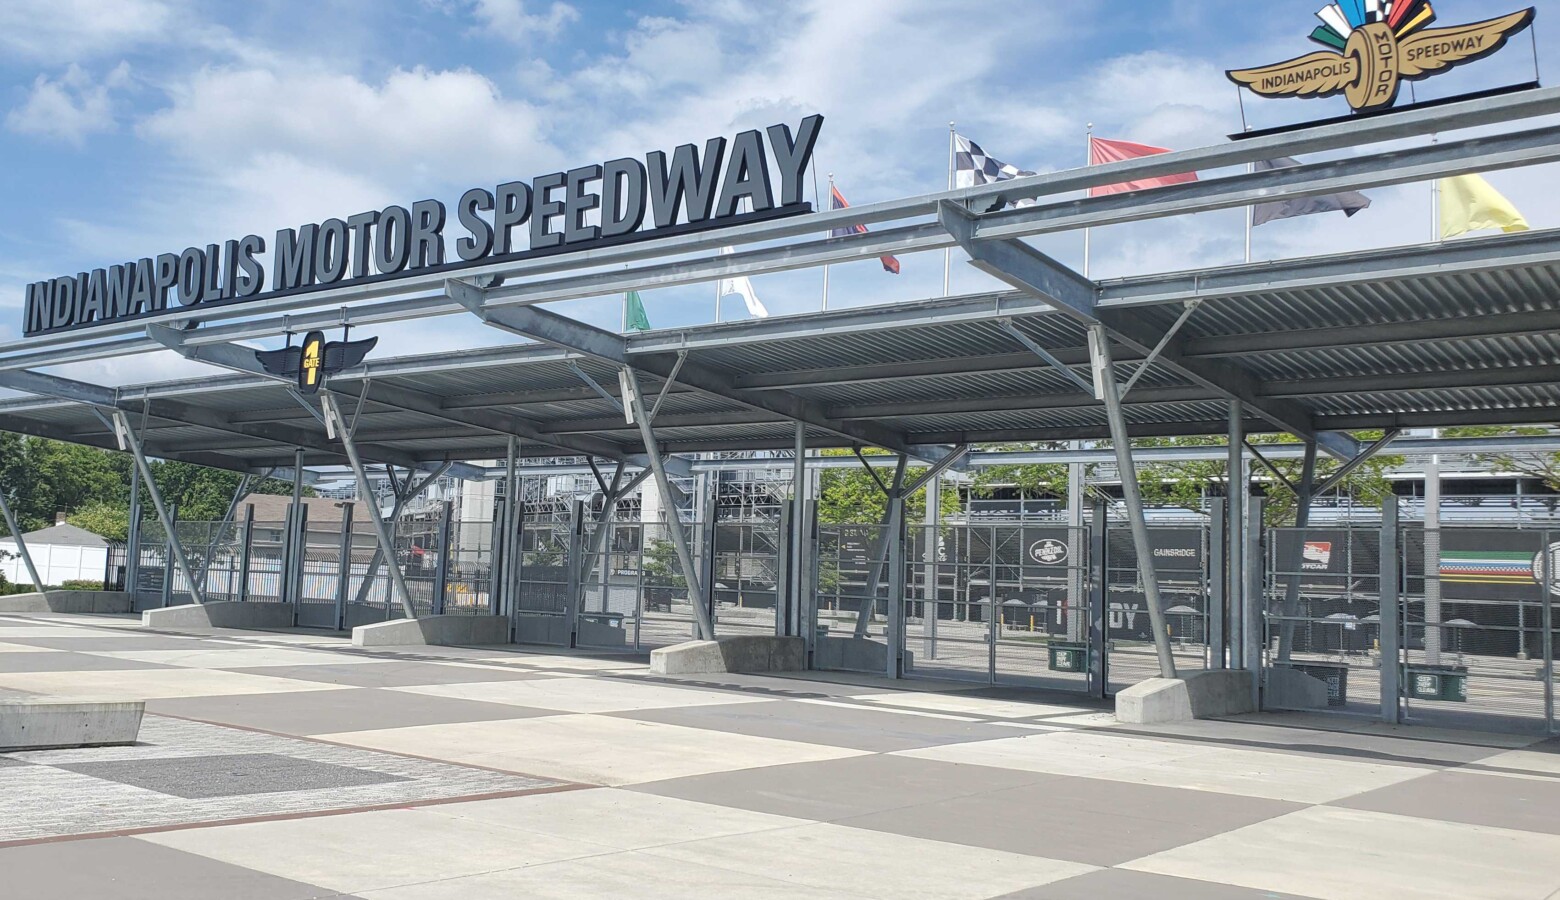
<point>1376,46</point>
<point>314,359</point>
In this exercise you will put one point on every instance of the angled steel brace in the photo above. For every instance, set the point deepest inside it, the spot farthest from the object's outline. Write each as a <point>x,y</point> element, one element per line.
<point>549,327</point>
<point>1268,464</point>
<point>893,519</point>
<point>870,471</point>
<point>21,545</point>
<point>129,441</point>
<point>1191,307</point>
<point>1050,358</point>
<point>666,386</point>
<point>590,382</point>
<point>386,543</point>
<point>941,466</point>
<point>1359,459</point>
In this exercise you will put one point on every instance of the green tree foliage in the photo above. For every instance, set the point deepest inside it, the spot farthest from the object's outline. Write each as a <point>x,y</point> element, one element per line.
<point>1543,466</point>
<point>106,518</point>
<point>851,496</point>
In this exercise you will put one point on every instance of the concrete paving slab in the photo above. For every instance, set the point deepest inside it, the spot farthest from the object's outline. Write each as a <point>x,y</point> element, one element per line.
<point>82,640</point>
<point>1528,804</point>
<point>1541,761</point>
<point>622,875</point>
<point>843,788</point>
<point>128,869</point>
<point>1100,823</point>
<point>1065,753</point>
<point>1122,884</point>
<point>969,705</point>
<point>595,695</point>
<point>231,775</point>
<point>330,711</point>
<point>235,657</point>
<point>620,819</point>
<point>1276,776</point>
<point>20,648</point>
<point>1345,854</point>
<point>362,852</point>
<point>386,674</point>
<point>816,723</point>
<point>66,661</point>
<point>591,749</point>
<point>149,684</point>
<point>830,857</point>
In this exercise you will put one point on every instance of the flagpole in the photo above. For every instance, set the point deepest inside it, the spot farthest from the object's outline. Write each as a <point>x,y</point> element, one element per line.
<point>953,152</point>
<point>1435,201</point>
<point>826,267</point>
<point>1088,160</point>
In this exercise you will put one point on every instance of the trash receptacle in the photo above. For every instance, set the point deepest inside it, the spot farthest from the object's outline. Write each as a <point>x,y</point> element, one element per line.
<point>1334,675</point>
<point>1446,683</point>
<point>1069,657</point>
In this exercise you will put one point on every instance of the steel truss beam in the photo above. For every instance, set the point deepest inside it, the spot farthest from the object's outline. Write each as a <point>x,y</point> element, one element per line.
<point>386,542</point>
<point>543,325</point>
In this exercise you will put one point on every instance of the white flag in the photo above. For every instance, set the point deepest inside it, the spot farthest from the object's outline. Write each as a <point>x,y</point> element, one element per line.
<point>741,286</point>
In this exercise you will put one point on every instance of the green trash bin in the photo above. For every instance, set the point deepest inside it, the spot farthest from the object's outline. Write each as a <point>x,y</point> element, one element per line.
<point>1444,683</point>
<point>1069,657</point>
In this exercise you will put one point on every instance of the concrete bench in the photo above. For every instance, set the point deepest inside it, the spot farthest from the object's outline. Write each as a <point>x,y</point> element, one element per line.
<point>67,602</point>
<point>51,724</point>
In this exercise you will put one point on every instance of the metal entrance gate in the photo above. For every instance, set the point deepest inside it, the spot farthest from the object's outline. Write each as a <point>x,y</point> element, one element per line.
<point>1181,563</point>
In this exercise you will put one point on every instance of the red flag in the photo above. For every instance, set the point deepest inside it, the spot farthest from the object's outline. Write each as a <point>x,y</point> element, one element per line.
<point>1102,151</point>
<point>837,201</point>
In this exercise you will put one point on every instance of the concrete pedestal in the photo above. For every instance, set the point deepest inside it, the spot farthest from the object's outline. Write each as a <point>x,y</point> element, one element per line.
<point>221,614</point>
<point>79,602</point>
<point>746,653</point>
<point>433,631</point>
<point>1287,688</point>
<point>59,724</point>
<point>1197,695</point>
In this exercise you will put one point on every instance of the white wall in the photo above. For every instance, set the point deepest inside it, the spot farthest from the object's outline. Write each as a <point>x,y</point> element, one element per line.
<point>56,564</point>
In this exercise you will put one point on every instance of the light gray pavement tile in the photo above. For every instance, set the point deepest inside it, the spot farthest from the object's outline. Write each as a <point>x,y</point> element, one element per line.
<point>1528,804</point>
<point>620,819</point>
<point>591,749</point>
<point>63,661</point>
<point>1102,823</point>
<point>6,761</point>
<point>830,857</point>
<point>200,777</point>
<point>331,711</point>
<point>1537,761</point>
<point>839,789</point>
<point>148,684</point>
<point>368,851</point>
<point>127,869</point>
<point>82,640</point>
<point>859,729</point>
<point>1122,884</point>
<point>237,657</point>
<point>972,704</point>
<point>388,674</point>
<point>1346,854</point>
<point>1405,749</point>
<point>620,876</point>
<point>585,695</point>
<point>53,801</point>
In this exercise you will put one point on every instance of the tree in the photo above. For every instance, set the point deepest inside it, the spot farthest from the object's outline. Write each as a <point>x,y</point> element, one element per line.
<point>105,518</point>
<point>1540,465</point>
<point>851,496</point>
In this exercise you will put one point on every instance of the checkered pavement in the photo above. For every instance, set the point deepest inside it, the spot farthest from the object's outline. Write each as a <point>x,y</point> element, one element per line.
<point>282,765</point>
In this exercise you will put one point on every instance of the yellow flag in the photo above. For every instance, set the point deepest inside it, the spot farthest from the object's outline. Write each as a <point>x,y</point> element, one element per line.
<point>1468,203</point>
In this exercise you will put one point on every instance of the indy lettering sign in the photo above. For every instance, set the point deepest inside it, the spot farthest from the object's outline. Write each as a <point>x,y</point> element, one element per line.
<point>1375,47</point>
<point>615,202</point>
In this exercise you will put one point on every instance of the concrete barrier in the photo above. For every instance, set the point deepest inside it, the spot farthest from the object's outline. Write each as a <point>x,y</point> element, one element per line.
<point>850,654</point>
<point>1287,688</point>
<point>221,614</point>
<point>67,602</point>
<point>433,631</point>
<point>1197,695</point>
<point>744,653</point>
<point>45,724</point>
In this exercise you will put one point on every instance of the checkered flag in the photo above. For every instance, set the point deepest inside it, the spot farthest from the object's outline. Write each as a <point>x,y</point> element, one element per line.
<point>972,168</point>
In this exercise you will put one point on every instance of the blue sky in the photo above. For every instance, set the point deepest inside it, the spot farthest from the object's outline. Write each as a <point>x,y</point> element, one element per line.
<point>143,126</point>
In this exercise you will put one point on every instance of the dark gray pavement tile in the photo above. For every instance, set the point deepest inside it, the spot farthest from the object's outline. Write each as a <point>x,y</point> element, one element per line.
<point>128,869</point>
<point>833,726</point>
<point>327,712</point>
<point>57,661</point>
<point>391,674</point>
<point>841,788</point>
<point>1382,749</point>
<point>1121,884</point>
<point>1526,804</point>
<point>238,775</point>
<point>1085,820</point>
<point>98,641</point>
<point>6,761</point>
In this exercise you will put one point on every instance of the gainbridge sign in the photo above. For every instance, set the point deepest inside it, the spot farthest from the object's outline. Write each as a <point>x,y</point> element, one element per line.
<point>1376,45</point>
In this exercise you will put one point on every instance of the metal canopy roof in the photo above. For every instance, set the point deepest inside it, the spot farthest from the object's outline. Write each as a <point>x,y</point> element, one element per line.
<point>1430,335</point>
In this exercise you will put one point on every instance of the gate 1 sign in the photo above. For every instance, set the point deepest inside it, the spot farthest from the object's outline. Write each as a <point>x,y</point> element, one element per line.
<point>564,212</point>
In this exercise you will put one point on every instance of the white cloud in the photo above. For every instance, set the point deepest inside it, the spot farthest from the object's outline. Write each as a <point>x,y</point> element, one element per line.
<point>75,30</point>
<point>70,107</point>
<point>511,20</point>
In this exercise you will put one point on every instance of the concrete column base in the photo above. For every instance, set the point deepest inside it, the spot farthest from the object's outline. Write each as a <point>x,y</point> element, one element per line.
<point>64,724</point>
<point>745,653</point>
<point>850,654</point>
<point>1198,695</point>
<point>67,602</point>
<point>1287,688</point>
<point>221,614</point>
<point>433,631</point>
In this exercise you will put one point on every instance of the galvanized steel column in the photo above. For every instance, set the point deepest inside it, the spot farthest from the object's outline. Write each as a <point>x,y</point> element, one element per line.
<point>21,545</point>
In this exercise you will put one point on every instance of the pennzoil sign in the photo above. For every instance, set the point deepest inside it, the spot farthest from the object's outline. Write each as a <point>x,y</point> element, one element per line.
<point>1376,46</point>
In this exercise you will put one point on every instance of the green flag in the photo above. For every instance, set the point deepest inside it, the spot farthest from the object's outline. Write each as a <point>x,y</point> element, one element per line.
<point>634,318</point>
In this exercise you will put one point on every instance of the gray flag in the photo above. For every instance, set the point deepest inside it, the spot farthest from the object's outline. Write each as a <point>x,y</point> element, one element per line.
<point>1347,202</point>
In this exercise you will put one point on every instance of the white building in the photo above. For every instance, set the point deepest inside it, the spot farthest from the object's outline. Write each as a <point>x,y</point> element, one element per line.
<point>61,553</point>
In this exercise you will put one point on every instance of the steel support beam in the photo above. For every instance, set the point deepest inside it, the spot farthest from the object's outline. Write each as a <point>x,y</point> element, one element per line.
<point>674,523</point>
<point>1303,496</point>
<point>129,441</point>
<point>1105,385</point>
<point>892,522</point>
<point>245,482</point>
<point>381,533</point>
<point>21,543</point>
